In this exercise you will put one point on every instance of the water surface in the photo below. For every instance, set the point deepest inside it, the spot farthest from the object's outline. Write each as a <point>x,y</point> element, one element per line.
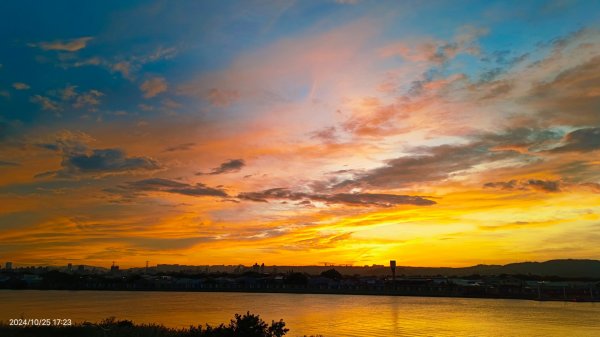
<point>306,314</point>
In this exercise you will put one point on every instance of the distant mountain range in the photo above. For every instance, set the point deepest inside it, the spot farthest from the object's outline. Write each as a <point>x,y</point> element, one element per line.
<point>562,268</point>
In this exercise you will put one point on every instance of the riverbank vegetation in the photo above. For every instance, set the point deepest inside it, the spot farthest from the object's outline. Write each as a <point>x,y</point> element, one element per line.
<point>247,325</point>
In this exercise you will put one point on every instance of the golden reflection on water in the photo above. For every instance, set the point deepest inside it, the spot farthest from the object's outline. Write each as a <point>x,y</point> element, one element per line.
<point>306,314</point>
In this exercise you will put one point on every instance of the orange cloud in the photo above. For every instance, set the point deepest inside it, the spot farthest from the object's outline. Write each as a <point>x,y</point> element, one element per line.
<point>65,45</point>
<point>153,87</point>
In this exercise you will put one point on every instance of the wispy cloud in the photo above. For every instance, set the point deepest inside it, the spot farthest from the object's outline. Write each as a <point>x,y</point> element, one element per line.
<point>230,166</point>
<point>170,186</point>
<point>582,140</point>
<point>351,199</point>
<point>99,162</point>
<point>45,103</point>
<point>432,164</point>
<point>78,159</point>
<point>20,86</point>
<point>127,64</point>
<point>58,100</point>
<point>8,163</point>
<point>71,45</point>
<point>221,97</point>
<point>180,147</point>
<point>536,184</point>
<point>431,50</point>
<point>153,87</point>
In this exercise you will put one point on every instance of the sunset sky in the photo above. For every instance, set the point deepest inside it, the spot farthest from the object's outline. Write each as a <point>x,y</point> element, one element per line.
<point>435,133</point>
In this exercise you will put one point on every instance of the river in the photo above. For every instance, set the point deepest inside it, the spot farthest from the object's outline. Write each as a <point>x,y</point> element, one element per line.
<point>311,314</point>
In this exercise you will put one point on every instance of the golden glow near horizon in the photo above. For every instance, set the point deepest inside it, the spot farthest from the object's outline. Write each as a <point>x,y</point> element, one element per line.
<point>297,135</point>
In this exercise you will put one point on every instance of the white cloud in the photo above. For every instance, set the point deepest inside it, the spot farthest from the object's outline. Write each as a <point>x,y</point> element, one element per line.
<point>89,99</point>
<point>45,102</point>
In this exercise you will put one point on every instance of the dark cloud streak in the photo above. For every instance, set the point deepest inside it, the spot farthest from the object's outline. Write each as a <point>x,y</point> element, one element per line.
<point>524,185</point>
<point>8,163</point>
<point>171,186</point>
<point>582,140</point>
<point>180,147</point>
<point>231,166</point>
<point>107,160</point>
<point>351,199</point>
<point>432,164</point>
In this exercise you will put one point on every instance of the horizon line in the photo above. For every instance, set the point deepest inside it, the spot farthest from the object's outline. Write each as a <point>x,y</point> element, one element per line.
<point>15,265</point>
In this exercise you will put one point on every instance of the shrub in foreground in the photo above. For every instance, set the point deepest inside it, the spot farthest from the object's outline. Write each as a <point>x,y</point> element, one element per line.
<point>247,325</point>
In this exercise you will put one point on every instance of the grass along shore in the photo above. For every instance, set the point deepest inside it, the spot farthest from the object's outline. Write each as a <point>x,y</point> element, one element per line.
<point>247,325</point>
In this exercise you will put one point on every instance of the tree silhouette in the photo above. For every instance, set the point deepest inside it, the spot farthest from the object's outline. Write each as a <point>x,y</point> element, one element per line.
<point>296,278</point>
<point>248,325</point>
<point>332,274</point>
